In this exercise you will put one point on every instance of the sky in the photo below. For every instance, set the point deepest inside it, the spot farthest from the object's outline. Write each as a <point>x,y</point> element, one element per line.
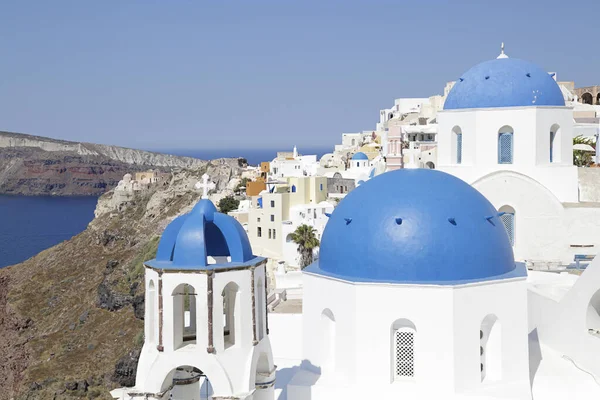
<point>175,74</point>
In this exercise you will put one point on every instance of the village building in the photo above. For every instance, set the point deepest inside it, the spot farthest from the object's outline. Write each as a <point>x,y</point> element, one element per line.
<point>468,322</point>
<point>278,211</point>
<point>293,165</point>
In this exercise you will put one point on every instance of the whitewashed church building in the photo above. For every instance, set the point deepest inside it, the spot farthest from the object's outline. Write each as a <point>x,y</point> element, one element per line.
<point>505,129</point>
<point>206,318</point>
<point>416,295</point>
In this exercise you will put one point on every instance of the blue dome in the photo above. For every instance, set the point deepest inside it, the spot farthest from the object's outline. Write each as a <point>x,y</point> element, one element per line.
<point>504,82</point>
<point>415,226</point>
<point>189,239</point>
<point>360,156</point>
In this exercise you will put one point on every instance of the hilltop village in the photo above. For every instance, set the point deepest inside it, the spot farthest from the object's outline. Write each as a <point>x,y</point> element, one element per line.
<point>447,253</point>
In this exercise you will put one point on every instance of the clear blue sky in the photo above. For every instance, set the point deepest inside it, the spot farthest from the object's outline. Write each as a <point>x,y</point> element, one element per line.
<point>246,74</point>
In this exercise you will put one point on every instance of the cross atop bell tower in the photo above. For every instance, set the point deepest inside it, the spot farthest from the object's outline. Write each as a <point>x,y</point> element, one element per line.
<point>206,186</point>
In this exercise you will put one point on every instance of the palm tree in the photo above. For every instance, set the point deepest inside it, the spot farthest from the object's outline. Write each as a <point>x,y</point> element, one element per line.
<point>582,158</point>
<point>305,237</point>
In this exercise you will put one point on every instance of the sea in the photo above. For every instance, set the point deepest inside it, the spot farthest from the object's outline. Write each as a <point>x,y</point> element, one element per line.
<point>30,224</point>
<point>253,156</point>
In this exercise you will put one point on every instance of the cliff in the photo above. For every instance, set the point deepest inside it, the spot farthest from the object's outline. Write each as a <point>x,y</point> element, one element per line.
<point>34,165</point>
<point>71,318</point>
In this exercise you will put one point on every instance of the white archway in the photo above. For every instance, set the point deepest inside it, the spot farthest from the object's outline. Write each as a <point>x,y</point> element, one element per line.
<point>403,341</point>
<point>327,341</point>
<point>509,221</point>
<point>593,315</point>
<point>457,145</point>
<point>231,314</point>
<point>490,349</point>
<point>505,145</point>
<point>184,315</point>
<point>555,141</point>
<point>151,313</point>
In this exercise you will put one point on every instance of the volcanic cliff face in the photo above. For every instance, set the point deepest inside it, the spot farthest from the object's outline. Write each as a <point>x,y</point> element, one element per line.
<point>34,165</point>
<point>71,318</point>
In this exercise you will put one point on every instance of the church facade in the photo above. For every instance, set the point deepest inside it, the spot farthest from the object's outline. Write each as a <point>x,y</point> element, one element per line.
<point>505,129</point>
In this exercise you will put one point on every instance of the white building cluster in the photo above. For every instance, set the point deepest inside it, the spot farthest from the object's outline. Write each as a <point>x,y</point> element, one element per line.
<point>426,284</point>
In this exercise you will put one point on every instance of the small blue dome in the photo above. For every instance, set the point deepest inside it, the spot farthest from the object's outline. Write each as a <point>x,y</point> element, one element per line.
<point>189,239</point>
<point>504,82</point>
<point>360,156</point>
<point>414,226</point>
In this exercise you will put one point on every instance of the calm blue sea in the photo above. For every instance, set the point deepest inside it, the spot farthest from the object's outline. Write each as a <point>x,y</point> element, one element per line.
<point>254,156</point>
<point>29,225</point>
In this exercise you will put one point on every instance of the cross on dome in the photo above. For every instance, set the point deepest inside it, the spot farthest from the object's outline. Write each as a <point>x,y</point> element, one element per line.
<point>502,55</point>
<point>205,185</point>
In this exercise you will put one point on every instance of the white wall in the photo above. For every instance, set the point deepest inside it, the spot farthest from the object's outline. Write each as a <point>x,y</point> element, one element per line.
<point>531,142</point>
<point>447,321</point>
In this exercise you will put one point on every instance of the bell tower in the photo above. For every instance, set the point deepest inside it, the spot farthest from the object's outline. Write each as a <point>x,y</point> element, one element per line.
<point>206,325</point>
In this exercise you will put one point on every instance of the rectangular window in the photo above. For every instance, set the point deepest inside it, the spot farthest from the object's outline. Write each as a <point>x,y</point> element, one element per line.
<point>274,234</point>
<point>404,343</point>
<point>272,203</point>
<point>270,233</point>
<point>259,231</point>
<point>321,186</point>
<point>258,219</point>
<point>272,218</point>
<point>505,148</point>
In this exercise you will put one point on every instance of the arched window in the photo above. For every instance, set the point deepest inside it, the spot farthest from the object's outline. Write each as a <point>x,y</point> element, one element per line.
<point>508,220</point>
<point>327,340</point>
<point>293,188</point>
<point>457,145</point>
<point>353,142</point>
<point>430,165</point>
<point>593,315</point>
<point>230,314</point>
<point>490,349</point>
<point>151,315</point>
<point>587,98</point>
<point>403,349</point>
<point>598,99</point>
<point>505,145</point>
<point>184,315</point>
<point>555,143</point>
<point>289,238</point>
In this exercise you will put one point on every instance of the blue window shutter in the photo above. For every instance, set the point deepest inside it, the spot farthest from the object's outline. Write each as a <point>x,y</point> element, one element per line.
<point>505,148</point>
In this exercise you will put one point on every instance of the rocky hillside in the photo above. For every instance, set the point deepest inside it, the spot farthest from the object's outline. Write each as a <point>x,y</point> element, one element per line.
<point>71,318</point>
<point>34,165</point>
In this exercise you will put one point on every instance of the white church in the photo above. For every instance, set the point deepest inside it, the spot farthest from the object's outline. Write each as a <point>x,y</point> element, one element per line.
<point>505,129</point>
<point>416,293</point>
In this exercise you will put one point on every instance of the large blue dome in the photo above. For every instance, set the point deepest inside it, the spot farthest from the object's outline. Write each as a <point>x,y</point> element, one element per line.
<point>504,82</point>
<point>415,226</point>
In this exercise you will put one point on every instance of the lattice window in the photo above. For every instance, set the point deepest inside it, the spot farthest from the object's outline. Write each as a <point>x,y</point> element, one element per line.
<point>459,148</point>
<point>405,354</point>
<point>508,220</point>
<point>505,148</point>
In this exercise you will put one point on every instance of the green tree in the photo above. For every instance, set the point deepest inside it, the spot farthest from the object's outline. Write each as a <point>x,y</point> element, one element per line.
<point>306,239</point>
<point>583,158</point>
<point>227,204</point>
